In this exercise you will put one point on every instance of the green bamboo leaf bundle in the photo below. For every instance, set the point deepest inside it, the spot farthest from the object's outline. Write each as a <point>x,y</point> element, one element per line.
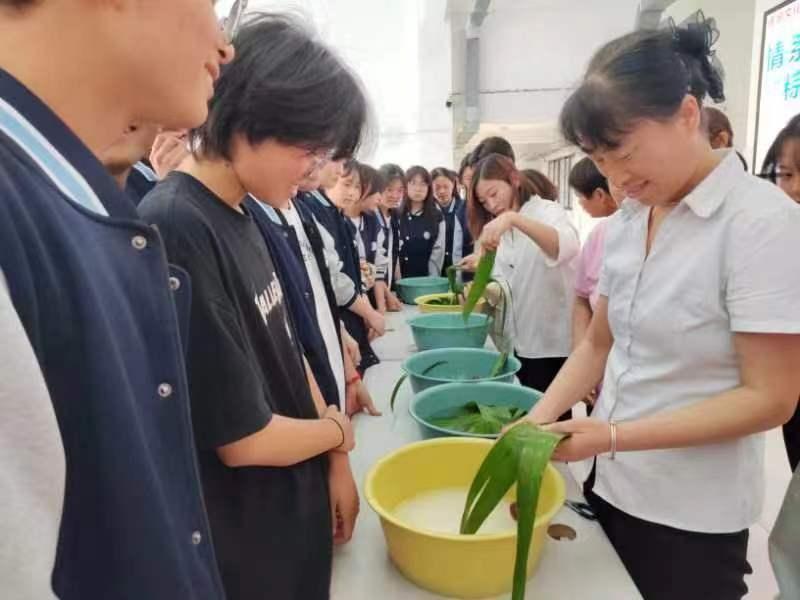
<point>521,456</point>
<point>483,275</point>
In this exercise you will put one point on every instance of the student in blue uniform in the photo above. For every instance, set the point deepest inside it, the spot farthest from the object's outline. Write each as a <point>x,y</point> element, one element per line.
<point>389,204</point>
<point>273,457</point>
<point>123,159</point>
<point>458,241</point>
<point>90,285</point>
<point>365,220</point>
<point>312,251</point>
<point>358,315</point>
<point>289,257</point>
<point>421,227</point>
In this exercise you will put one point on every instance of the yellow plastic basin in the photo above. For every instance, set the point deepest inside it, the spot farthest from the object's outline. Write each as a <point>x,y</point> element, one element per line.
<point>444,308</point>
<point>468,566</point>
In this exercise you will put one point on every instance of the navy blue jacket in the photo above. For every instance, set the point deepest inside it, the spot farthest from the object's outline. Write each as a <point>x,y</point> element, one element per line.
<point>456,213</point>
<point>344,236</point>
<point>98,303</point>
<point>286,254</point>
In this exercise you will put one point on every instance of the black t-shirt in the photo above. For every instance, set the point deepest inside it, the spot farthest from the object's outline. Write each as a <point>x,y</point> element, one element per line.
<point>271,526</point>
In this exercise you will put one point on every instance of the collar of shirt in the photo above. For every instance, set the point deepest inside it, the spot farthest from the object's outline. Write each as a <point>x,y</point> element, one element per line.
<point>270,211</point>
<point>320,197</point>
<point>146,172</point>
<point>708,195</point>
<point>58,152</point>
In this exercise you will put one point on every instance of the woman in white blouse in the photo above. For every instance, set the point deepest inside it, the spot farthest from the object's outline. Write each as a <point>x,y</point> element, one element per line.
<point>536,249</point>
<point>696,332</point>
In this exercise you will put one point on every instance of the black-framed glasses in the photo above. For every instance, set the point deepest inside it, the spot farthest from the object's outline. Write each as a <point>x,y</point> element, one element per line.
<point>230,24</point>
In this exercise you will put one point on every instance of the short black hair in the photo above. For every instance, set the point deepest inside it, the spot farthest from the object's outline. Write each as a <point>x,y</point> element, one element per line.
<point>585,178</point>
<point>491,145</point>
<point>284,84</point>
<point>642,75</point>
<point>391,171</point>
<point>769,169</point>
<point>372,181</point>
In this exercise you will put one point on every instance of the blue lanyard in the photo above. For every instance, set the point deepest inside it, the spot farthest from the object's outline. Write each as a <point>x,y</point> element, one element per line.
<point>60,171</point>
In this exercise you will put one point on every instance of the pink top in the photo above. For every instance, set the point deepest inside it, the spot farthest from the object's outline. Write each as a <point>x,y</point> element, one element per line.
<point>590,264</point>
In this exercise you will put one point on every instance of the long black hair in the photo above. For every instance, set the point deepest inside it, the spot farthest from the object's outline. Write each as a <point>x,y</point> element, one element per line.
<point>392,172</point>
<point>430,210</point>
<point>285,85</point>
<point>642,75</point>
<point>769,169</point>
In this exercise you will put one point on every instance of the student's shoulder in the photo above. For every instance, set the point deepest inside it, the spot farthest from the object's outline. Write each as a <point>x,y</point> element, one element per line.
<point>176,206</point>
<point>19,178</point>
<point>175,202</point>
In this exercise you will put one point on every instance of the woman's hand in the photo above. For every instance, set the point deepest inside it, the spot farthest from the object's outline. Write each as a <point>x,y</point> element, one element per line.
<point>493,231</point>
<point>168,152</point>
<point>470,262</point>
<point>587,438</point>
<point>393,302</point>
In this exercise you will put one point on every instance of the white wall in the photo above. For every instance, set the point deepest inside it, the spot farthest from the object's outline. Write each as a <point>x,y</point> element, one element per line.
<point>401,51</point>
<point>542,45</point>
<point>735,23</point>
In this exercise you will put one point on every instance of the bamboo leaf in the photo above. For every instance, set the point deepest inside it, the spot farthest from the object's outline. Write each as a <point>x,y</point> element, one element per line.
<point>497,474</point>
<point>499,365</point>
<point>456,288</point>
<point>527,492</point>
<point>521,455</point>
<point>396,389</point>
<point>403,377</point>
<point>483,275</point>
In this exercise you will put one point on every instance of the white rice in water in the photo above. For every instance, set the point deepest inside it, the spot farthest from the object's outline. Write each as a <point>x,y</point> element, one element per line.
<point>440,510</point>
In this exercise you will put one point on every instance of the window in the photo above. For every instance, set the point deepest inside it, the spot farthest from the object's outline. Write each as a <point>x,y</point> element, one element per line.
<point>558,171</point>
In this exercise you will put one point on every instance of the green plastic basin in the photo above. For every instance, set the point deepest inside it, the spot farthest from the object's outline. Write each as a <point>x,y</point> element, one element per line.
<point>449,330</point>
<point>458,365</point>
<point>445,400</point>
<point>411,288</point>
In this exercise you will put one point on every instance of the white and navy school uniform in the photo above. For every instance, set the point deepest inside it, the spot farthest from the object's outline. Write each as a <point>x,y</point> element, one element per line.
<point>344,237</point>
<point>391,243</point>
<point>101,309</point>
<point>458,241</point>
<point>141,180</point>
<point>421,244</point>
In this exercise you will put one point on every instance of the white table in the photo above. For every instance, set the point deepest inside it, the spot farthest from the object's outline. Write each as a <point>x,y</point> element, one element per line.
<point>586,568</point>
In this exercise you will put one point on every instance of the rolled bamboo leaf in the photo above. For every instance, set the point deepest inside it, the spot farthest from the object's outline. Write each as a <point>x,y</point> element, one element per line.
<point>483,275</point>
